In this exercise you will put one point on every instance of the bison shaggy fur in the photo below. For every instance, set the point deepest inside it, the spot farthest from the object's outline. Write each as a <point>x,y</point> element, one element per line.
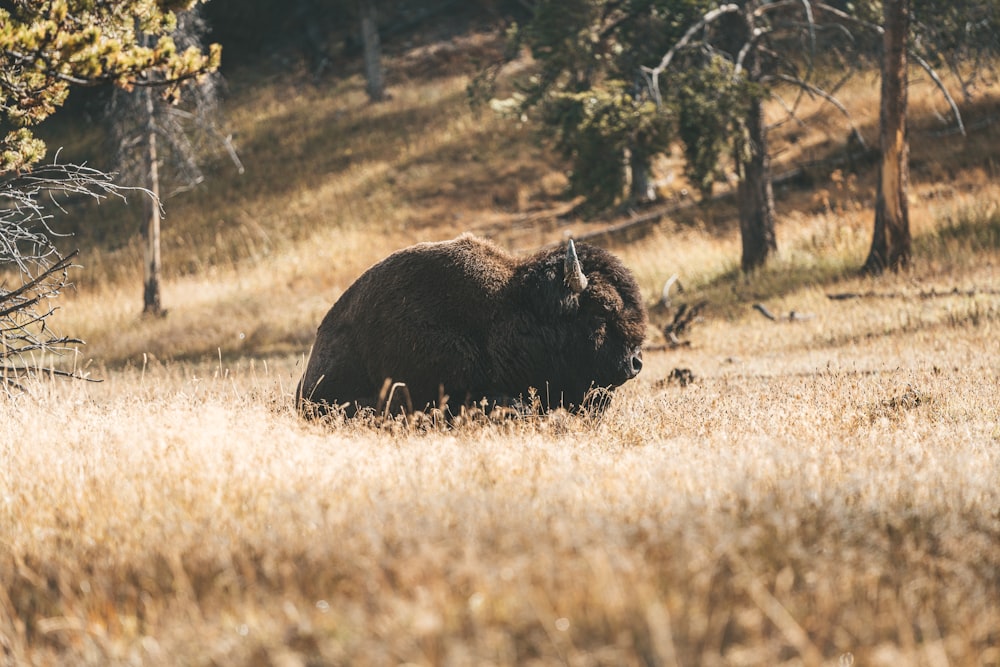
<point>462,321</point>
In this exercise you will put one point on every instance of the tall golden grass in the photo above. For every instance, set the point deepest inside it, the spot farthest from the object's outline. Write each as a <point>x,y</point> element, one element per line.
<point>823,492</point>
<point>823,489</point>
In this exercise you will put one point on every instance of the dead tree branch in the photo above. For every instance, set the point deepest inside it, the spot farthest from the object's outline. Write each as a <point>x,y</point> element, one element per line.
<point>931,72</point>
<point>653,74</point>
<point>944,91</point>
<point>819,92</point>
<point>923,294</point>
<point>684,317</point>
<point>792,316</point>
<point>33,271</point>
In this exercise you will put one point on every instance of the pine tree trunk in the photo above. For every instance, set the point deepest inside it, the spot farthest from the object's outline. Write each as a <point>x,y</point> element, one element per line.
<point>641,188</point>
<point>151,230</point>
<point>372,51</point>
<point>756,196</point>
<point>755,193</point>
<point>891,241</point>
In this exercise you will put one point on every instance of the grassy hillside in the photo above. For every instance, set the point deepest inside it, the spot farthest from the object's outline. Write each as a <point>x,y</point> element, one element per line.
<point>334,183</point>
<point>821,492</point>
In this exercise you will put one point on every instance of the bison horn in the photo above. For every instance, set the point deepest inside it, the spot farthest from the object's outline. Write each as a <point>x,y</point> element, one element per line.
<point>575,279</point>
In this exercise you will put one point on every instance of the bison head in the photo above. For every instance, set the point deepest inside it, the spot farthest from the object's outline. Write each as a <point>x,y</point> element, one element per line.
<point>587,322</point>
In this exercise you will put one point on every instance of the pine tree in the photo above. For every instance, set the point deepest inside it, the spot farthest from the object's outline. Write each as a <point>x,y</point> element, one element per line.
<point>46,48</point>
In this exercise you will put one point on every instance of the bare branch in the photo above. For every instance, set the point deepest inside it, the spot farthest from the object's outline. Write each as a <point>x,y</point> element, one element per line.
<point>944,91</point>
<point>814,90</point>
<point>61,265</point>
<point>762,309</point>
<point>792,316</point>
<point>932,293</point>
<point>806,9</point>
<point>740,57</point>
<point>812,34</point>
<point>789,111</point>
<point>847,17</point>
<point>653,74</point>
<point>812,22</point>
<point>226,141</point>
<point>916,56</point>
<point>772,6</point>
<point>30,260</point>
<point>9,375</point>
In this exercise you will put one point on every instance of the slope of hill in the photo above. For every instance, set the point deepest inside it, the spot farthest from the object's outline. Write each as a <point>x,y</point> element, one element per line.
<point>333,183</point>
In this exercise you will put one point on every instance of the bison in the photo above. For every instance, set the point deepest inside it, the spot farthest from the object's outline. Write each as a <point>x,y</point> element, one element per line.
<point>461,322</point>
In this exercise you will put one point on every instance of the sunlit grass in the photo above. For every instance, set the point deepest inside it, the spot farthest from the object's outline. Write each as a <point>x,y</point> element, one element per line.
<point>791,502</point>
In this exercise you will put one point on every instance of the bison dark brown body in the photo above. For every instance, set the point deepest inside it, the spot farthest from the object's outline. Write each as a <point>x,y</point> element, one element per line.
<point>466,320</point>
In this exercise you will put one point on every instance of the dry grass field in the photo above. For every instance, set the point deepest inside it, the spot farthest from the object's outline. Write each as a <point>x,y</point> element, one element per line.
<point>822,492</point>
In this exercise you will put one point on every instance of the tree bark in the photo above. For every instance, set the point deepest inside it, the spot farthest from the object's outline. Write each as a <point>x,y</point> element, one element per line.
<point>372,52</point>
<point>641,188</point>
<point>891,242</point>
<point>755,193</point>
<point>151,230</point>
